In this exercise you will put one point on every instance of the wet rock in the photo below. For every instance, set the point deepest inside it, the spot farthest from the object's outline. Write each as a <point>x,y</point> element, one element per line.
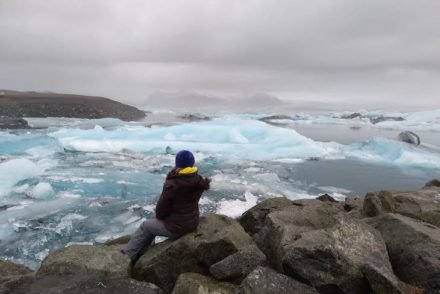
<point>13,123</point>
<point>252,220</point>
<point>85,259</point>
<point>409,137</point>
<point>193,283</point>
<point>267,281</point>
<point>414,249</point>
<point>237,266</point>
<point>216,238</point>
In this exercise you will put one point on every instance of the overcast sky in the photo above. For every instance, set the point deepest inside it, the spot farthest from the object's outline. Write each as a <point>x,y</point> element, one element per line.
<point>375,53</point>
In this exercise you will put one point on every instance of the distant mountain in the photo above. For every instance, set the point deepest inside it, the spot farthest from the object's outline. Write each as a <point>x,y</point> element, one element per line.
<point>17,104</point>
<point>194,101</point>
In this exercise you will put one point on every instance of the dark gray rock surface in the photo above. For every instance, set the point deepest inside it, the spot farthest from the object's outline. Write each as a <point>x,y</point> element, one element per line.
<point>193,283</point>
<point>423,204</point>
<point>264,280</point>
<point>252,220</point>
<point>237,266</point>
<point>13,123</point>
<point>414,249</point>
<point>216,238</point>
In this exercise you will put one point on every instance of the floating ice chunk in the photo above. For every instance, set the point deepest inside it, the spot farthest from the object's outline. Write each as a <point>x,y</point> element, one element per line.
<point>66,223</point>
<point>236,207</point>
<point>14,171</point>
<point>41,191</point>
<point>67,194</point>
<point>384,151</point>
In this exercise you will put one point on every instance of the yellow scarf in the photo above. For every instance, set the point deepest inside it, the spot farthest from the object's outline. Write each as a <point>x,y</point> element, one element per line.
<point>188,170</point>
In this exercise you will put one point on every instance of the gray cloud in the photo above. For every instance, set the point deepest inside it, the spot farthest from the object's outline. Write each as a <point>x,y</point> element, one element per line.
<point>353,51</point>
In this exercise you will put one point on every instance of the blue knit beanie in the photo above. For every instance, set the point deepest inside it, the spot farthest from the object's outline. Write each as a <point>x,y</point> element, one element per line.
<point>184,159</point>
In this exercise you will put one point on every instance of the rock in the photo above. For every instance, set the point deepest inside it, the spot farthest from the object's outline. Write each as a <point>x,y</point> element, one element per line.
<point>376,203</point>
<point>193,283</point>
<point>409,137</point>
<point>194,117</point>
<point>252,220</point>
<point>326,197</point>
<point>423,204</point>
<point>433,183</point>
<point>340,257</point>
<point>286,225</point>
<point>216,238</point>
<point>381,118</point>
<point>70,260</point>
<point>13,123</point>
<point>118,241</point>
<point>351,116</point>
<point>237,266</point>
<point>353,206</point>
<point>8,268</point>
<point>414,249</point>
<point>87,284</point>
<point>12,276</point>
<point>317,244</point>
<point>267,281</point>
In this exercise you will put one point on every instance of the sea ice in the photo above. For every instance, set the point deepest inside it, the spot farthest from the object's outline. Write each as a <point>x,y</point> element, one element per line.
<point>41,191</point>
<point>15,170</point>
<point>236,207</point>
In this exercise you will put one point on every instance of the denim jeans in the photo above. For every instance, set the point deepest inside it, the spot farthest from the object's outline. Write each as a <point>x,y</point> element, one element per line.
<point>143,237</point>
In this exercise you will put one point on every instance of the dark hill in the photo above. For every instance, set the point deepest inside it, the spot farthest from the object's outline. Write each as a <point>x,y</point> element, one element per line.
<point>16,104</point>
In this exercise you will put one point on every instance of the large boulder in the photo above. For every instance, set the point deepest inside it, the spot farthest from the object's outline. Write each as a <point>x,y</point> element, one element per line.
<point>414,249</point>
<point>216,238</point>
<point>193,283</point>
<point>263,280</point>
<point>284,226</point>
<point>13,123</point>
<point>87,284</point>
<point>253,219</point>
<point>81,269</point>
<point>70,260</point>
<point>378,202</point>
<point>317,244</point>
<point>432,184</point>
<point>13,276</point>
<point>237,266</point>
<point>423,204</point>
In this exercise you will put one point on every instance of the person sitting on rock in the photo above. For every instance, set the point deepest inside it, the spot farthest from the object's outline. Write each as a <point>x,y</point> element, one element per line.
<point>177,211</point>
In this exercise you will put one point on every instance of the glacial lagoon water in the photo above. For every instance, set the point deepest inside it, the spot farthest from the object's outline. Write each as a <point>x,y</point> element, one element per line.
<point>70,181</point>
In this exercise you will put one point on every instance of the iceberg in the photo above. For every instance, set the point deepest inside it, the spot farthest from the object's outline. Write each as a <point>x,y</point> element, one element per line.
<point>15,170</point>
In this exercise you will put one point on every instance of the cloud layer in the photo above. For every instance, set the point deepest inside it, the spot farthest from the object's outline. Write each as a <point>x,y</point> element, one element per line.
<point>364,53</point>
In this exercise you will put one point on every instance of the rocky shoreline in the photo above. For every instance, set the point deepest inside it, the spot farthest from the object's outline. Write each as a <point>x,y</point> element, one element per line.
<point>15,105</point>
<point>385,242</point>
